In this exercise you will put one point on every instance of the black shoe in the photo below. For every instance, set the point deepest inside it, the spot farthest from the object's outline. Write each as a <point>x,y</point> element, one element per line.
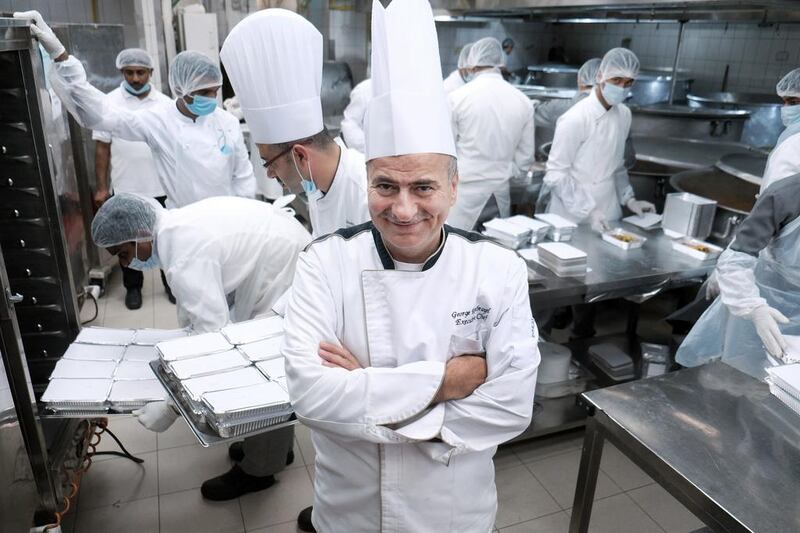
<point>290,457</point>
<point>133,298</point>
<point>304,520</point>
<point>236,451</point>
<point>234,483</point>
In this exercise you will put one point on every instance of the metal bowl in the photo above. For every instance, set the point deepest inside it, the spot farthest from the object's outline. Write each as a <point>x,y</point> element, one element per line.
<point>764,125</point>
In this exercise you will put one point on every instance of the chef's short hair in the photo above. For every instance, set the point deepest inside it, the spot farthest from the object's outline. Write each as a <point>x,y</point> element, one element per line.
<point>452,167</point>
<point>319,140</point>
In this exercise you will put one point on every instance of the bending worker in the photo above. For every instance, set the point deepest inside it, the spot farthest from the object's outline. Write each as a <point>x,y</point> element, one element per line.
<point>408,393</point>
<point>759,287</point>
<point>213,251</point>
<point>586,172</point>
<point>198,148</point>
<point>459,76</point>
<point>133,168</point>
<point>281,102</point>
<point>492,125</point>
<point>784,160</point>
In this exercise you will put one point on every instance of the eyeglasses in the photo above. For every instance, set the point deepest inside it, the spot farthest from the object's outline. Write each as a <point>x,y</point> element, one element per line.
<point>267,164</point>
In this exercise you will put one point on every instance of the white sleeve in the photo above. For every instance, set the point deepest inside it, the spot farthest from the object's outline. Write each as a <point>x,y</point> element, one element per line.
<point>568,139</point>
<point>244,179</point>
<point>353,122</point>
<point>524,154</point>
<point>358,404</point>
<point>622,183</point>
<point>199,293</point>
<point>102,136</point>
<point>502,407</point>
<point>90,107</point>
<point>737,282</point>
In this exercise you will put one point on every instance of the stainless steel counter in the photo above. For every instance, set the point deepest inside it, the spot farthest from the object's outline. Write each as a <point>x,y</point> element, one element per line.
<point>713,437</point>
<point>616,273</point>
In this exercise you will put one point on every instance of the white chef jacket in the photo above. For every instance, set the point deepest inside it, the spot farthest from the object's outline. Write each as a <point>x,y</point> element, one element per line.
<point>453,82</point>
<point>586,166</point>
<point>195,159</point>
<point>783,161</point>
<point>493,128</point>
<point>387,461</point>
<point>133,169</point>
<point>227,246</point>
<point>353,122</point>
<point>345,203</point>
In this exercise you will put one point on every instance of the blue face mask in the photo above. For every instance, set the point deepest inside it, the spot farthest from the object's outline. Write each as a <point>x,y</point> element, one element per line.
<point>148,264</point>
<point>308,184</point>
<point>790,114</point>
<point>614,94</point>
<point>202,105</point>
<point>136,92</point>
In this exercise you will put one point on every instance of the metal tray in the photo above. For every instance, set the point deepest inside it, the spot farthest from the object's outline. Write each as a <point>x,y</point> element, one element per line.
<point>93,352</point>
<point>205,434</point>
<point>126,396</point>
<point>264,349</point>
<point>133,371</point>
<point>273,369</point>
<point>240,430</point>
<point>246,404</point>
<point>74,369</point>
<point>207,364</point>
<point>193,346</point>
<point>140,353</point>
<point>106,336</point>
<point>151,337</point>
<point>253,330</point>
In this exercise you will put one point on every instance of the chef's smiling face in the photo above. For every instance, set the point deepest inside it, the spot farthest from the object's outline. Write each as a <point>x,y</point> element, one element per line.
<point>409,198</point>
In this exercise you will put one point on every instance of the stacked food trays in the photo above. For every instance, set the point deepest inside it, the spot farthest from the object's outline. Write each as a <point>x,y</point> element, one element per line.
<point>564,260</point>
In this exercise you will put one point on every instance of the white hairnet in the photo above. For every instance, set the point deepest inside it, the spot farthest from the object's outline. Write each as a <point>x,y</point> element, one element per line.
<point>134,57</point>
<point>192,71</point>
<point>463,56</point>
<point>789,86</point>
<point>588,72</point>
<point>486,52</point>
<point>124,218</point>
<point>618,63</point>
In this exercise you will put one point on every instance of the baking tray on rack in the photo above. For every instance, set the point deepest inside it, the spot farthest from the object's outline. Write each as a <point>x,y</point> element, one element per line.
<point>204,433</point>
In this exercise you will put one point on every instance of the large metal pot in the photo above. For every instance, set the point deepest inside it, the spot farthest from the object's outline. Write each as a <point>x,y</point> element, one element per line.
<point>653,87</point>
<point>682,121</point>
<point>764,125</point>
<point>553,75</point>
<point>734,197</point>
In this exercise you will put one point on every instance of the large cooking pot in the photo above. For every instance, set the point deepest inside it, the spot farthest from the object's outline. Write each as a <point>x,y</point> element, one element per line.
<point>686,153</point>
<point>764,125</point>
<point>734,197</point>
<point>653,87</point>
<point>682,121</point>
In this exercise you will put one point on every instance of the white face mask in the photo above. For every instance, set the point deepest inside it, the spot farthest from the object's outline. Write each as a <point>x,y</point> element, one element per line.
<point>614,94</point>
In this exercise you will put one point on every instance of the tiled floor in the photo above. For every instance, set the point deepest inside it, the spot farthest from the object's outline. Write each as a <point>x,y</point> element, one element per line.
<point>535,479</point>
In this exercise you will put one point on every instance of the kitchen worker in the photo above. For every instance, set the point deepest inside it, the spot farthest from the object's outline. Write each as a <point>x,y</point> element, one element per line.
<point>352,126</point>
<point>409,345</point>
<point>784,160</point>
<point>458,77</point>
<point>759,288</point>
<point>547,113</point>
<point>215,252</point>
<point>586,172</point>
<point>198,148</point>
<point>281,102</point>
<point>493,129</point>
<point>132,166</point>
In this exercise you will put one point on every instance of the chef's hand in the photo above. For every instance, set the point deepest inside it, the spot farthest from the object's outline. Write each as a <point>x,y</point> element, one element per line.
<point>335,356</point>
<point>462,375</point>
<point>766,320</point>
<point>712,286</point>
<point>640,207</point>
<point>597,221</point>
<point>43,33</point>
<point>157,416</point>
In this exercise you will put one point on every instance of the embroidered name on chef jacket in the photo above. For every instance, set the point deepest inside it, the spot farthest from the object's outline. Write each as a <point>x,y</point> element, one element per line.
<point>462,318</point>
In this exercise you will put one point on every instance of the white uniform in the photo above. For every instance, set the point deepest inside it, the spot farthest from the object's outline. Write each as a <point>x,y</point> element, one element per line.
<point>195,159</point>
<point>345,203</point>
<point>453,82</point>
<point>586,166</point>
<point>353,122</point>
<point>386,461</point>
<point>784,161</point>
<point>133,169</point>
<point>493,130</point>
<point>222,246</point>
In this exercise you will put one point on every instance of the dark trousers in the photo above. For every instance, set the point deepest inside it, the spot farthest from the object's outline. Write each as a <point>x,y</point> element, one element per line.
<point>134,279</point>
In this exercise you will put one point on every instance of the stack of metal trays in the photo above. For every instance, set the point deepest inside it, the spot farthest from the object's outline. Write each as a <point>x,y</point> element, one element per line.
<point>234,412</point>
<point>192,390</point>
<point>511,235</point>
<point>194,367</point>
<point>784,383</point>
<point>563,259</point>
<point>561,229</point>
<point>539,229</point>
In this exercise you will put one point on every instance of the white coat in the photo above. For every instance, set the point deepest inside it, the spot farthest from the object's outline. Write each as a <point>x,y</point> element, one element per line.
<point>586,166</point>
<point>345,203</point>
<point>195,159</point>
<point>494,135</point>
<point>783,161</point>
<point>453,81</point>
<point>225,246</point>
<point>386,460</point>
<point>353,122</point>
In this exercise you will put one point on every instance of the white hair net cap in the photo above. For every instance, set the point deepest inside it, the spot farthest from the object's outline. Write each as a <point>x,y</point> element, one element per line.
<point>124,218</point>
<point>134,57</point>
<point>618,63</point>
<point>486,52</point>
<point>192,71</point>
<point>588,72</point>
<point>463,56</point>
<point>789,86</point>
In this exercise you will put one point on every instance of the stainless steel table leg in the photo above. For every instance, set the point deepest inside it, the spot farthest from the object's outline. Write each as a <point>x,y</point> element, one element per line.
<point>587,477</point>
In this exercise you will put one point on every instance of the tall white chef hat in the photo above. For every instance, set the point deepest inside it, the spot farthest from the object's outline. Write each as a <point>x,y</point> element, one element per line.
<point>274,61</point>
<point>408,112</point>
